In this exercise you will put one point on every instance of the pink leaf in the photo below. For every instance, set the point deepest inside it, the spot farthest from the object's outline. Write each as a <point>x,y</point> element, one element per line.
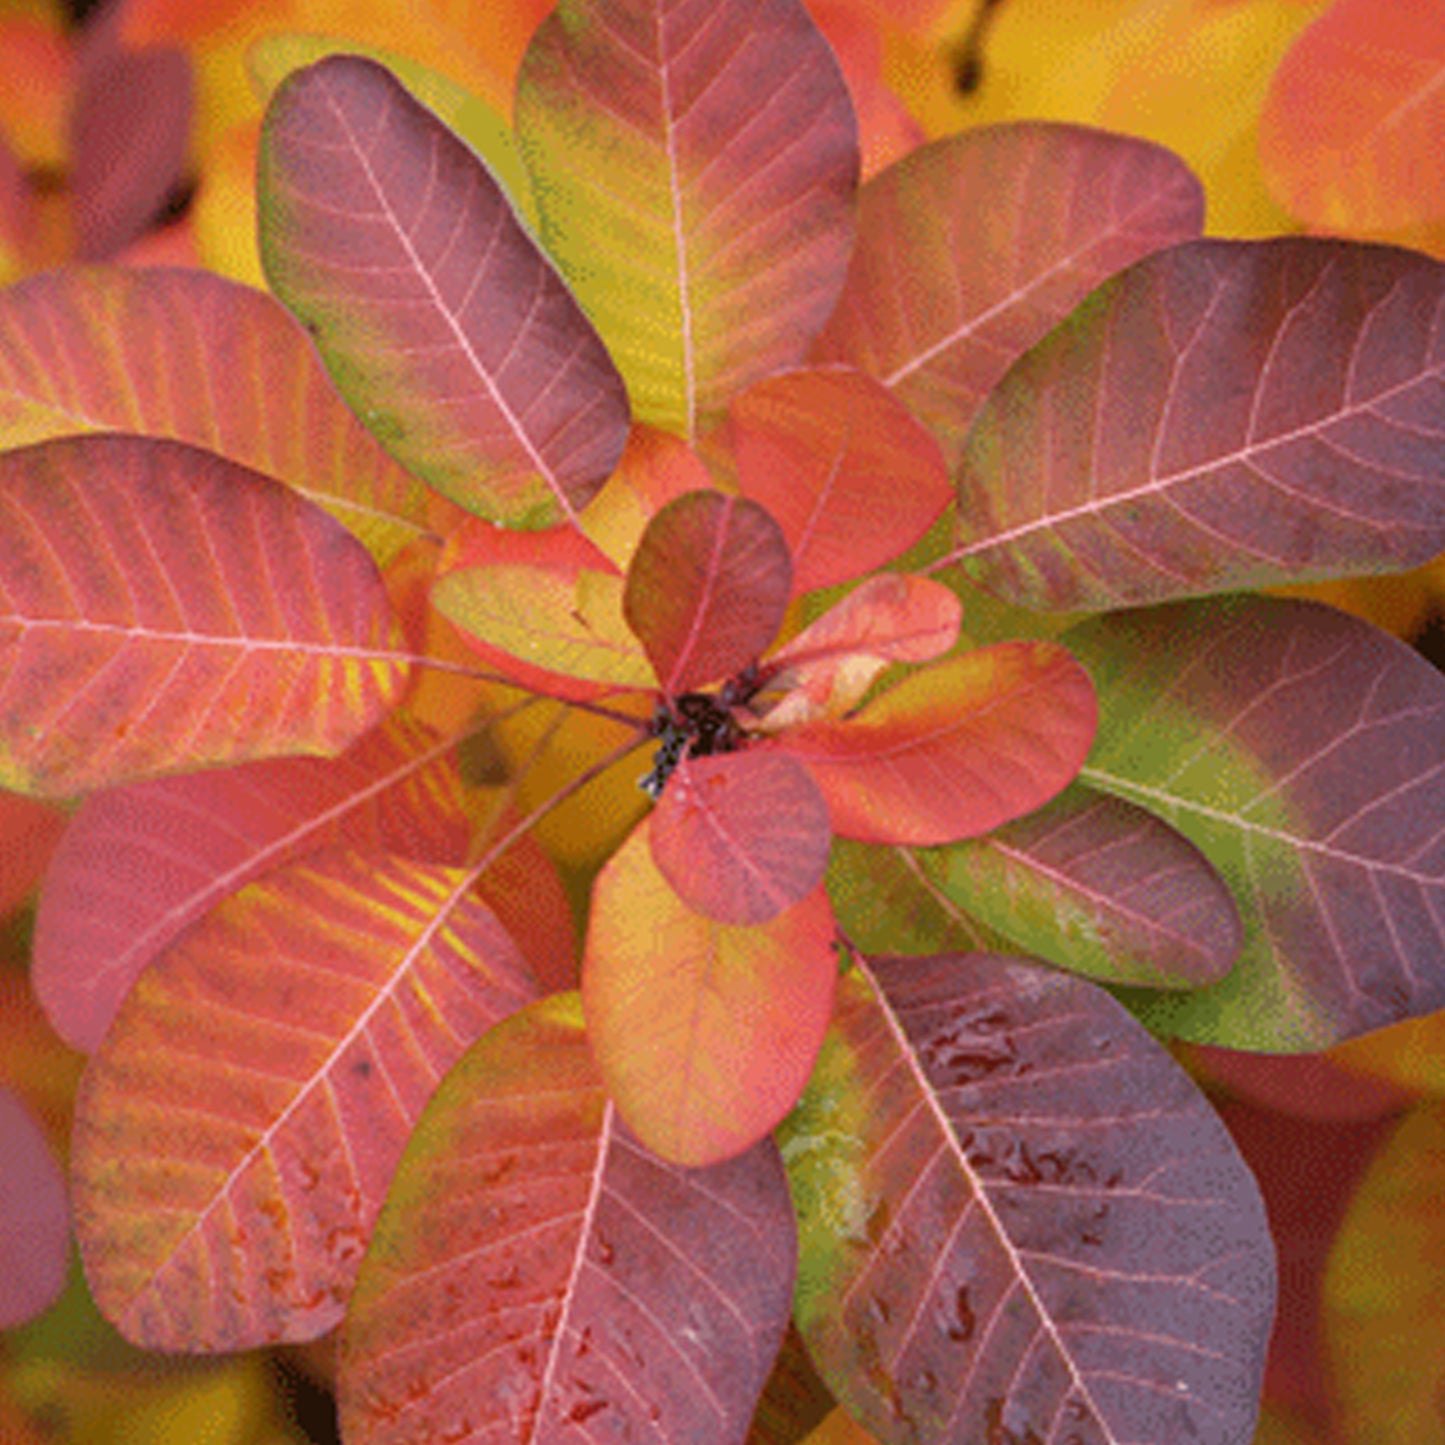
<point>34,1218</point>
<point>741,836</point>
<point>707,588</point>
<point>444,325</point>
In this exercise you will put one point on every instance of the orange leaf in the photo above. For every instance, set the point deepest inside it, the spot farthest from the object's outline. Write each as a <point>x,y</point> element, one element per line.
<point>705,1032</point>
<point>956,749</point>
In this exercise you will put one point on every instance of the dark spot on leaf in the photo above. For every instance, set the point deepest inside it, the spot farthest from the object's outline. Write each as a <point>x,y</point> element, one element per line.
<point>362,1068</point>
<point>998,1431</point>
<point>955,1315</point>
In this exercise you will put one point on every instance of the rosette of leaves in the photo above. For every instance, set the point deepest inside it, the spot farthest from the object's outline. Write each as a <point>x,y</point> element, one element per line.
<point>905,543</point>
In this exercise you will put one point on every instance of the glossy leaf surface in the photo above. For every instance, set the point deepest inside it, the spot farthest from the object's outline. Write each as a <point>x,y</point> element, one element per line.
<point>1018,1218</point>
<point>199,359</point>
<point>707,589</point>
<point>1100,887</point>
<point>34,1217</point>
<point>1304,753</point>
<point>705,1032</point>
<point>850,476</point>
<point>138,865</point>
<point>741,836</point>
<point>1224,415</point>
<point>445,327</point>
<point>161,608</point>
<point>972,247</point>
<point>1350,134</point>
<point>236,1134</point>
<point>524,1274</point>
<point>955,749</point>
<point>694,163</point>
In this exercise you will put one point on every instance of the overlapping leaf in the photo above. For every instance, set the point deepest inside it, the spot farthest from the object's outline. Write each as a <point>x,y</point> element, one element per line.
<point>956,749</point>
<point>849,475</point>
<point>138,865</point>
<point>694,163</point>
<point>1349,138</point>
<point>972,247</point>
<point>707,588</point>
<point>161,608</point>
<point>1100,887</point>
<point>1224,415</point>
<point>444,325</point>
<point>1304,753</point>
<point>34,1218</point>
<point>705,1032</point>
<point>1019,1220</point>
<point>236,1134</point>
<point>538,1272</point>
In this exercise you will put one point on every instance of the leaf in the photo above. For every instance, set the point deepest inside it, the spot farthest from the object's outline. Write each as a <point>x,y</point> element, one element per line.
<point>138,865</point>
<point>938,305</point>
<point>544,608</point>
<point>741,836</point>
<point>830,665</point>
<point>1303,752</point>
<point>1349,136</point>
<point>707,588</point>
<point>956,749</point>
<point>850,476</point>
<point>1224,415</point>
<point>1019,1220</point>
<point>705,1032</point>
<point>794,1399</point>
<point>199,359</point>
<point>1383,1287</point>
<point>536,1271</point>
<point>161,608</point>
<point>29,834</point>
<point>443,324</point>
<point>34,1218</point>
<point>236,1133</point>
<point>695,168</point>
<point>1100,887</point>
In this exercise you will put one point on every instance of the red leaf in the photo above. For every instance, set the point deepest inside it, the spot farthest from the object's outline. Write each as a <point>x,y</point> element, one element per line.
<point>956,749</point>
<point>443,323</point>
<point>741,836</point>
<point>1223,416</point>
<point>1018,1218</point>
<point>138,865</point>
<point>537,1274</point>
<point>939,304</point>
<point>34,1218</point>
<point>1349,138</point>
<point>705,1032</point>
<point>161,608</point>
<point>829,666</point>
<point>237,1132</point>
<point>707,588</point>
<point>695,166</point>
<point>850,476</point>
<point>29,835</point>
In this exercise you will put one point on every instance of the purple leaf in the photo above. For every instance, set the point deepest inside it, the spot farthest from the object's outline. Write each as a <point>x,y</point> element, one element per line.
<point>1019,1220</point>
<point>1224,415</point>
<point>1303,752</point>
<point>441,321</point>
<point>34,1218</point>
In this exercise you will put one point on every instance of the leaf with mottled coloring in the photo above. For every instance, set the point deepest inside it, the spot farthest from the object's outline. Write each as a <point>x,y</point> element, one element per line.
<point>955,749</point>
<point>849,475</point>
<point>1303,752</point>
<point>1019,1219</point>
<point>972,247</point>
<point>741,836</point>
<point>444,325</point>
<point>695,164</point>
<point>1224,415</point>
<point>237,1131</point>
<point>708,587</point>
<point>199,359</point>
<point>34,1217</point>
<point>705,1032</point>
<point>523,1276</point>
<point>1100,887</point>
<point>162,608</point>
